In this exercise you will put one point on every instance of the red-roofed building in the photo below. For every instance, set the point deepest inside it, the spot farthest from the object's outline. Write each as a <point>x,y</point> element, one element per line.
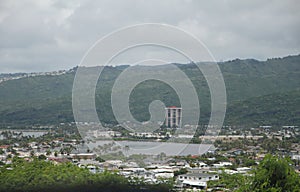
<point>4,146</point>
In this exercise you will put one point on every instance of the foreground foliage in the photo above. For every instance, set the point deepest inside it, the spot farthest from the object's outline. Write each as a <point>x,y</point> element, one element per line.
<point>39,175</point>
<point>273,174</point>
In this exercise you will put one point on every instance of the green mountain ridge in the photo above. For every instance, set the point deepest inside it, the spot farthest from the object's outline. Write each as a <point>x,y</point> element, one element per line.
<point>274,109</point>
<point>257,92</point>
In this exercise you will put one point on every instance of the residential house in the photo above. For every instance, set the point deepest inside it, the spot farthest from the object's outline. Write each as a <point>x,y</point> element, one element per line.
<point>195,180</point>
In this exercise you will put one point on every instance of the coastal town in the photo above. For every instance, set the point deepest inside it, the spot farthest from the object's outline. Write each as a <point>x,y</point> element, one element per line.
<point>235,152</point>
<point>149,96</point>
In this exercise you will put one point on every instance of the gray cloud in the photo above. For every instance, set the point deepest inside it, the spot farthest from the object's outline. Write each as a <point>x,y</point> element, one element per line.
<point>49,35</point>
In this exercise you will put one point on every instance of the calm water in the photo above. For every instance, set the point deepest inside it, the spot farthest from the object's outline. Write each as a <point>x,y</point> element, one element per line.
<point>32,133</point>
<point>154,148</point>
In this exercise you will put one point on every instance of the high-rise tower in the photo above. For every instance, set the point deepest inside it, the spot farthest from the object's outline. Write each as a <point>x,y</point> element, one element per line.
<point>173,117</point>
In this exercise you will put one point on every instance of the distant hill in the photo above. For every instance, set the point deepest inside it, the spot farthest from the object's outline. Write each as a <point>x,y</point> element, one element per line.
<point>274,109</point>
<point>258,92</point>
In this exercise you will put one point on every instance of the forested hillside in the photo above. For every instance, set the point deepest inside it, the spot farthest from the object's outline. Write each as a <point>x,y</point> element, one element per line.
<point>258,92</point>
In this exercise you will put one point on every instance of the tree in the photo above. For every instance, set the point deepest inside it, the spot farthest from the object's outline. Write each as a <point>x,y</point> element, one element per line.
<point>42,157</point>
<point>230,182</point>
<point>99,159</point>
<point>126,149</point>
<point>48,152</point>
<point>32,153</point>
<point>274,173</point>
<point>39,175</point>
<point>180,172</point>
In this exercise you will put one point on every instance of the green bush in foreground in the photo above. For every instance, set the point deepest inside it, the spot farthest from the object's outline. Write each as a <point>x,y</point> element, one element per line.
<point>274,174</point>
<point>40,175</point>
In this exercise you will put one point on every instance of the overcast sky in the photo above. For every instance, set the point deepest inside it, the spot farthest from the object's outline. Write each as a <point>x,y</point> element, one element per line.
<point>47,35</point>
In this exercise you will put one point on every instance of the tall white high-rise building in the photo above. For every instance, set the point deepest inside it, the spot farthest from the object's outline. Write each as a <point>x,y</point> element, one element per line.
<point>173,116</point>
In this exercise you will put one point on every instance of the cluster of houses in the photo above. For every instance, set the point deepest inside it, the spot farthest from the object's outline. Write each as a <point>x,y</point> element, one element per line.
<point>8,77</point>
<point>187,176</point>
<point>153,171</point>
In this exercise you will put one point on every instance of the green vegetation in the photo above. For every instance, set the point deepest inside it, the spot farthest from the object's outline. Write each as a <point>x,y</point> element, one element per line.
<point>39,175</point>
<point>180,172</point>
<point>232,182</point>
<point>273,174</point>
<point>274,109</point>
<point>258,92</point>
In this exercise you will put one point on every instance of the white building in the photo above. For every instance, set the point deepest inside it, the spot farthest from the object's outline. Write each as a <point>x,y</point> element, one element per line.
<point>296,157</point>
<point>196,180</point>
<point>222,164</point>
<point>173,116</point>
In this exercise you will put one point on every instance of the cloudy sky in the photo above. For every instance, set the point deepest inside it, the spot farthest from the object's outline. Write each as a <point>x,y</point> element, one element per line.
<point>49,35</point>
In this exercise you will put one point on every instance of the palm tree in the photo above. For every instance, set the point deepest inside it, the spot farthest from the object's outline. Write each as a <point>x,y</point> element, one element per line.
<point>32,153</point>
<point>48,152</point>
<point>126,149</point>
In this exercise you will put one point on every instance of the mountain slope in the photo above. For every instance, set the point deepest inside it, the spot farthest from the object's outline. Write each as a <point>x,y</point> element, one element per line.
<point>274,109</point>
<point>47,99</point>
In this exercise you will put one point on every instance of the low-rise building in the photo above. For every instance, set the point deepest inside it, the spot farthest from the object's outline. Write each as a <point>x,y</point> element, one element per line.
<point>195,180</point>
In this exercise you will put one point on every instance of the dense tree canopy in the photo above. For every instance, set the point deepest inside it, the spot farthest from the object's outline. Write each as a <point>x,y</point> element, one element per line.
<point>275,174</point>
<point>39,175</point>
<point>265,92</point>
